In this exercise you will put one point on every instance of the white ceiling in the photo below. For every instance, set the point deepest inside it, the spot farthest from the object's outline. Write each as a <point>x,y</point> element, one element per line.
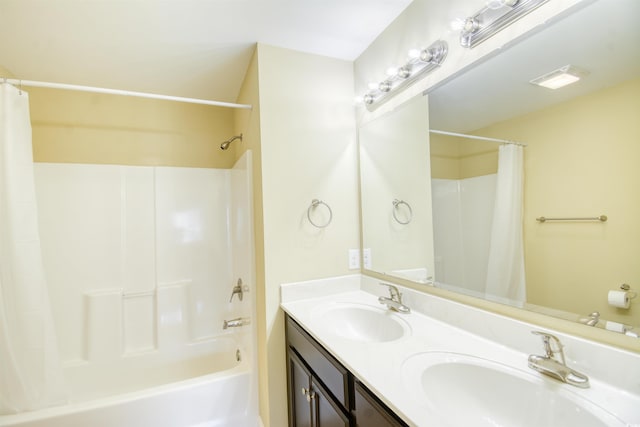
<point>192,48</point>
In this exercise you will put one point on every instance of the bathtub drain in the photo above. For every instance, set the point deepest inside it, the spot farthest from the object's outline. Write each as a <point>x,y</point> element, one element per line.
<point>238,357</point>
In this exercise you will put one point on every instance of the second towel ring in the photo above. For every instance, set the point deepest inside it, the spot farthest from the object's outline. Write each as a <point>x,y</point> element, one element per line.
<point>397,203</point>
<point>314,204</point>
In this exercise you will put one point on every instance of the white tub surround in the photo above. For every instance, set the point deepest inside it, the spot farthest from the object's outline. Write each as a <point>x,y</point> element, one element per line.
<point>142,262</point>
<point>436,326</point>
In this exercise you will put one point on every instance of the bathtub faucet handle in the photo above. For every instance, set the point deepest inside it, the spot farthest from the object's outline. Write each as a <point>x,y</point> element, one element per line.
<point>237,322</point>
<point>237,289</point>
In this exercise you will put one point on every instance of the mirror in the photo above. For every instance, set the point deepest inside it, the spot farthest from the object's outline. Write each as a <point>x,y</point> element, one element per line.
<point>396,192</point>
<point>580,162</point>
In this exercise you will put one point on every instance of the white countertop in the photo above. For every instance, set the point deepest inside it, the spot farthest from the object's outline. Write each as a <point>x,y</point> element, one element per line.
<point>382,366</point>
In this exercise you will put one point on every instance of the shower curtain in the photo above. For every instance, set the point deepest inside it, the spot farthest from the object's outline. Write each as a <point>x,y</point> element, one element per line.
<point>505,272</point>
<point>30,370</point>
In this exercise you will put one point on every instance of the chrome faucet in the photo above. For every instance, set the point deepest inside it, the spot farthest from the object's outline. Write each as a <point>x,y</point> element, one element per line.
<point>394,302</point>
<point>237,289</point>
<point>553,362</point>
<point>234,323</point>
<point>591,320</point>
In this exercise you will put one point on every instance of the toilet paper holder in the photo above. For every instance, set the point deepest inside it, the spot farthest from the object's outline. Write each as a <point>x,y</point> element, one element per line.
<point>625,287</point>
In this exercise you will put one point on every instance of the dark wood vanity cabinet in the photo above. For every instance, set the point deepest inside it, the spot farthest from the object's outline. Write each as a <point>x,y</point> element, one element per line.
<point>370,412</point>
<point>310,405</point>
<point>323,393</point>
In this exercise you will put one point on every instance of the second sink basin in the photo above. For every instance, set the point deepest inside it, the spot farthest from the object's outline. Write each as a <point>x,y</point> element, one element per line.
<point>361,322</point>
<point>465,390</point>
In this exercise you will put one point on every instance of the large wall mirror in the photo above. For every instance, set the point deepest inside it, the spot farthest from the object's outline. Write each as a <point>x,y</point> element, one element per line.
<point>581,161</point>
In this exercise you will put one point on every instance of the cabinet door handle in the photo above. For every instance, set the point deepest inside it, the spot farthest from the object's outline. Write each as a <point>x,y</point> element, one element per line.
<point>308,393</point>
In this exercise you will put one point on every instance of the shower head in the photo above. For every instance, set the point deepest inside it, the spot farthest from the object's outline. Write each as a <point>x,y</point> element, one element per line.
<point>228,142</point>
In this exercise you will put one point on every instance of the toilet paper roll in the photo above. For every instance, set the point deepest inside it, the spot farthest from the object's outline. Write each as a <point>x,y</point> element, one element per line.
<point>619,299</point>
<point>615,327</point>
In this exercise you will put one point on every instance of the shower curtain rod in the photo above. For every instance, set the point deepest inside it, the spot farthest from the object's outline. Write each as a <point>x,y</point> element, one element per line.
<point>19,83</point>
<point>483,138</point>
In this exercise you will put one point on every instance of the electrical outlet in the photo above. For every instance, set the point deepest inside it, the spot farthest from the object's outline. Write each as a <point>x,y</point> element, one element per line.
<point>366,258</point>
<point>354,259</point>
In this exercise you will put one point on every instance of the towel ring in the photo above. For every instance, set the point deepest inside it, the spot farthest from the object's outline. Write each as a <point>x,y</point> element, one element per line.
<point>314,204</point>
<point>397,203</point>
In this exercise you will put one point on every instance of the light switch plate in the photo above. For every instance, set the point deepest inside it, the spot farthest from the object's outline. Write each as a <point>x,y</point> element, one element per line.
<point>354,259</point>
<point>366,258</point>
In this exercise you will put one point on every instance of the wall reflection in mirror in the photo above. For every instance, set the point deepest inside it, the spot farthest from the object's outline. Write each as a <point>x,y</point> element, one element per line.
<point>580,161</point>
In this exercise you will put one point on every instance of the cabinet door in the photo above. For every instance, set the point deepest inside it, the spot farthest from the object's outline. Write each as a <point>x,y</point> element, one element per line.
<point>300,414</point>
<point>327,412</point>
<point>370,412</point>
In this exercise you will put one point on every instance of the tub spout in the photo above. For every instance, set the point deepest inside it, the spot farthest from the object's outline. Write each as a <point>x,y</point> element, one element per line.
<point>237,322</point>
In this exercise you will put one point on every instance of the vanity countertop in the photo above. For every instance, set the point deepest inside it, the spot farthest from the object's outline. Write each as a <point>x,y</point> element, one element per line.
<point>446,328</point>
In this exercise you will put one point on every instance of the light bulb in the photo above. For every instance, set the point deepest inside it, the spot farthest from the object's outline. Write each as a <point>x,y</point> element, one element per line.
<point>404,72</point>
<point>384,86</point>
<point>392,71</point>
<point>471,25</point>
<point>373,85</point>
<point>426,55</point>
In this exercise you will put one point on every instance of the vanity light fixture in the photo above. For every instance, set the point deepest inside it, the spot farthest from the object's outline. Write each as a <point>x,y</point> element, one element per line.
<point>420,63</point>
<point>493,17</point>
<point>561,77</point>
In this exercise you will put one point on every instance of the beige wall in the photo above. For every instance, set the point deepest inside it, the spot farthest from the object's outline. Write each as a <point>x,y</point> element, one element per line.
<point>459,158</point>
<point>248,122</point>
<point>79,127</point>
<point>582,160</point>
<point>4,72</point>
<point>308,150</point>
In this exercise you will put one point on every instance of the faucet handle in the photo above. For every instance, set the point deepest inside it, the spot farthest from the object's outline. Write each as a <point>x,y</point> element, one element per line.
<point>237,289</point>
<point>550,341</point>
<point>394,293</point>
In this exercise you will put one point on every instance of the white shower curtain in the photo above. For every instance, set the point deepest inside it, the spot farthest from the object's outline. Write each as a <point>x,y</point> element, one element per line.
<point>30,370</point>
<point>505,272</point>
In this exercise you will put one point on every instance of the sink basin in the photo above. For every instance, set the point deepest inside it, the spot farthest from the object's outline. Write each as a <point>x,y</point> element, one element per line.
<point>359,322</point>
<point>461,390</point>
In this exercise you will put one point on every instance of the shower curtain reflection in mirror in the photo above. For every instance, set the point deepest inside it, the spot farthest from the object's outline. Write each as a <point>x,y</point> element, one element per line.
<point>478,230</point>
<point>30,369</point>
<point>505,271</point>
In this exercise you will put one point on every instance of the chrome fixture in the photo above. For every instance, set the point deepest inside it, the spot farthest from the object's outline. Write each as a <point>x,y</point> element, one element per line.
<point>492,18</point>
<point>228,142</point>
<point>396,205</point>
<point>395,301</point>
<point>591,320</point>
<point>625,287</point>
<point>420,63</point>
<point>237,289</point>
<point>553,363</point>
<point>314,204</point>
<point>237,322</point>
<point>477,137</point>
<point>600,218</point>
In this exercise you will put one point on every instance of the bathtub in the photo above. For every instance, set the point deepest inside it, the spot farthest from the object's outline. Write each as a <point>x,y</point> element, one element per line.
<point>213,387</point>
